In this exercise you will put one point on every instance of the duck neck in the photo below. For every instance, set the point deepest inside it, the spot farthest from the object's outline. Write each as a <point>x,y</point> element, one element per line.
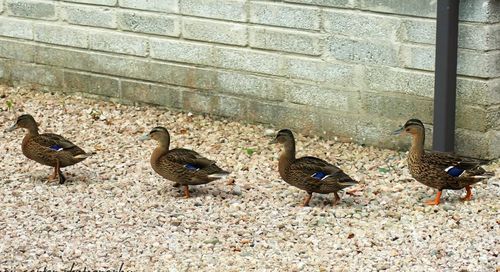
<point>161,149</point>
<point>287,157</point>
<point>417,145</point>
<point>32,130</point>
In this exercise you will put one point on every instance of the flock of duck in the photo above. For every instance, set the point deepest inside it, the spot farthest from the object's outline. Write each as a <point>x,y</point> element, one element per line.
<point>186,167</point>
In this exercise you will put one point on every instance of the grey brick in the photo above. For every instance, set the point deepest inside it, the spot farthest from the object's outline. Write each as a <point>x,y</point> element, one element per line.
<point>326,3</point>
<point>322,97</point>
<point>399,81</point>
<point>90,83</point>
<point>477,91</point>
<point>212,31</point>
<point>1,6</point>
<point>199,102</point>
<point>95,2</point>
<point>118,66</point>
<point>477,144</point>
<point>119,43</point>
<point>181,75</point>
<point>230,106</point>
<point>471,36</point>
<point>248,85</point>
<point>62,35</point>
<point>319,71</point>
<point>62,57</point>
<point>265,111</point>
<point>149,23</point>
<point>16,28</point>
<point>233,10</point>
<point>288,41</point>
<point>470,63</point>
<point>181,51</point>
<point>361,25</point>
<point>479,11</point>
<point>89,16</point>
<point>168,96</point>
<point>170,6</point>
<point>423,8</point>
<point>362,51</point>
<point>16,50</point>
<point>472,117</point>
<point>397,107</point>
<point>4,72</point>
<point>36,74</point>
<point>32,9</point>
<point>249,60</point>
<point>285,15</point>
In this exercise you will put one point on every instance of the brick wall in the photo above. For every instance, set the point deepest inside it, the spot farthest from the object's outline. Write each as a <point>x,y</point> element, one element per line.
<point>349,68</point>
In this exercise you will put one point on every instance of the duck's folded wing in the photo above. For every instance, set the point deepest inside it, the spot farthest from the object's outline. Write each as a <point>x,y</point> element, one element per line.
<point>188,158</point>
<point>452,164</point>
<point>312,165</point>
<point>54,142</point>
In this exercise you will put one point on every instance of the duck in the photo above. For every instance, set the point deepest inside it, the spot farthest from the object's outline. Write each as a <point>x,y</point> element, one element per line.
<point>182,166</point>
<point>440,170</point>
<point>48,148</point>
<point>310,174</point>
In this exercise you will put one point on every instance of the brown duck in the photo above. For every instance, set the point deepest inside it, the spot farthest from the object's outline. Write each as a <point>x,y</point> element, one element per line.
<point>183,166</point>
<point>48,148</point>
<point>440,170</point>
<point>310,174</point>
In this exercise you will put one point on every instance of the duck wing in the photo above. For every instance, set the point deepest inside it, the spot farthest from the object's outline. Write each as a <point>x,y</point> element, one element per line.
<point>454,165</point>
<point>318,171</point>
<point>190,159</point>
<point>57,143</point>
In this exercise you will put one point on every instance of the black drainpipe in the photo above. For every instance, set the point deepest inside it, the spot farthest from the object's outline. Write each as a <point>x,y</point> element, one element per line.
<point>445,75</point>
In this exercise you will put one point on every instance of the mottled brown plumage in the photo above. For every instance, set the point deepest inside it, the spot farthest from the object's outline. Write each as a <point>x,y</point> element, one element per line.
<point>440,170</point>
<point>182,166</point>
<point>48,148</point>
<point>310,174</point>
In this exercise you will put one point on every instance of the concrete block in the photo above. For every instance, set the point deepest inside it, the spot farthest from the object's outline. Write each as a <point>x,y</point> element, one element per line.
<point>232,10</point>
<point>399,81</point>
<point>36,74</point>
<point>230,106</point>
<point>119,43</point>
<point>168,6</point>
<point>95,2</point>
<point>89,16</point>
<point>397,107</point>
<point>1,6</point>
<point>249,60</point>
<point>487,11</point>
<point>361,25</point>
<point>476,144</point>
<point>326,3</point>
<point>16,50</point>
<point>118,66</point>
<point>477,91</point>
<point>61,35</point>
<point>291,16</point>
<point>322,98</point>
<point>262,111</point>
<point>287,41</point>
<point>470,63</point>
<point>473,117</point>
<point>181,75</point>
<point>91,83</point>
<point>423,8</point>
<point>164,95</point>
<point>336,74</point>
<point>248,85</point>
<point>16,28</point>
<point>363,51</point>
<point>470,36</point>
<point>149,23</point>
<point>213,31</point>
<point>199,102</point>
<point>32,9</point>
<point>181,51</point>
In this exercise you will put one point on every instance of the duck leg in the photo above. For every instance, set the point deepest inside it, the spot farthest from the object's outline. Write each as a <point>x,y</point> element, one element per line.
<point>54,174</point>
<point>468,195</point>
<point>307,199</point>
<point>337,199</point>
<point>62,179</point>
<point>186,191</point>
<point>436,200</point>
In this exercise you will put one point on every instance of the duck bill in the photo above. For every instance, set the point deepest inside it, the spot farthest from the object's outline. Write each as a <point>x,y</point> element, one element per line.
<point>398,131</point>
<point>12,128</point>
<point>273,141</point>
<point>145,137</point>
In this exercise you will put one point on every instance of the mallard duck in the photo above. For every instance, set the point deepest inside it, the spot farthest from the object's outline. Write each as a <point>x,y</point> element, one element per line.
<point>183,166</point>
<point>48,148</point>
<point>438,169</point>
<point>310,174</point>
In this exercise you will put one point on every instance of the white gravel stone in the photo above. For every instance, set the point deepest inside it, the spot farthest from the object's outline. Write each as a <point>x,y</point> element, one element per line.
<point>110,211</point>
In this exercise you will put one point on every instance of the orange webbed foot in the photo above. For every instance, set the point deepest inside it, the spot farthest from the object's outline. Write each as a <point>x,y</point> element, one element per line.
<point>186,191</point>
<point>468,195</point>
<point>436,200</point>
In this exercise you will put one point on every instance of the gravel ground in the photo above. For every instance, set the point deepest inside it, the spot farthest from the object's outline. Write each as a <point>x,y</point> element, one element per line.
<point>111,211</point>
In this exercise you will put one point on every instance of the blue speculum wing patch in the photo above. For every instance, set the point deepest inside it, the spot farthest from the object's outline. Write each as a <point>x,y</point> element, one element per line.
<point>191,167</point>
<point>454,171</point>
<point>56,148</point>
<point>318,175</point>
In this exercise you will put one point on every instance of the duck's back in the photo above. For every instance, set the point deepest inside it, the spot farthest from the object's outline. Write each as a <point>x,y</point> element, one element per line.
<point>49,148</point>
